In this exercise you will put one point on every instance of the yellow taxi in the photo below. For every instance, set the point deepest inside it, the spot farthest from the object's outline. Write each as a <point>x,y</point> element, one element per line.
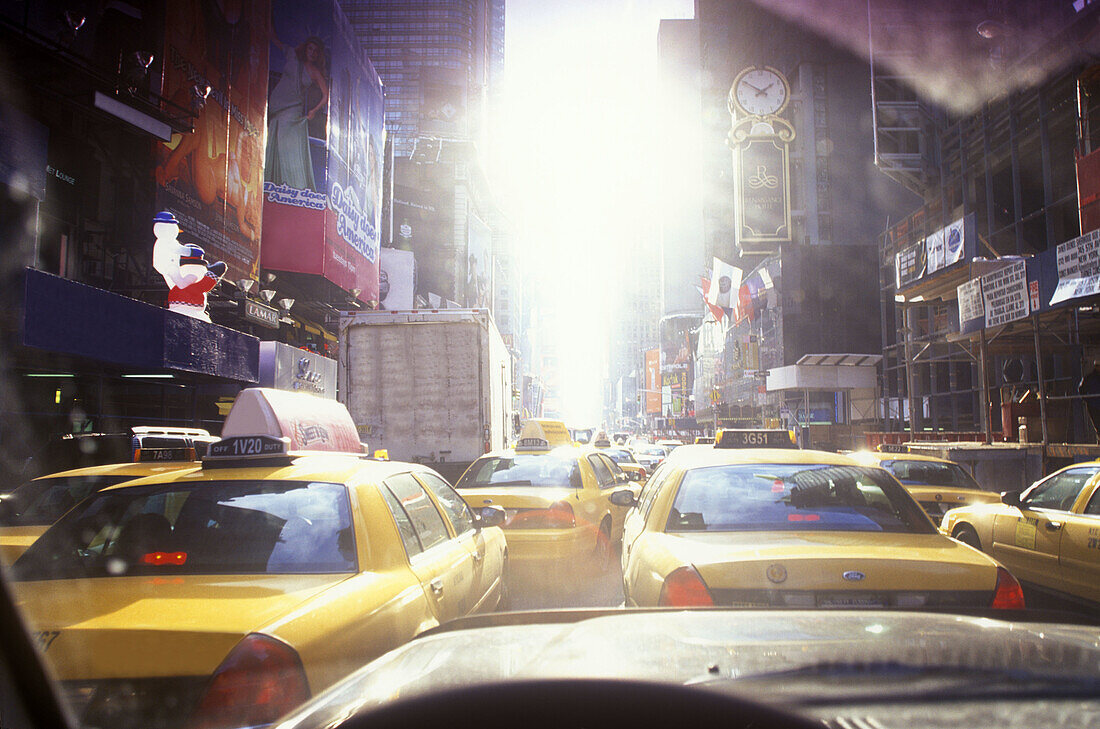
<point>937,484</point>
<point>621,457</point>
<point>1048,535</point>
<point>555,496</point>
<point>29,510</point>
<point>781,527</point>
<point>227,593</point>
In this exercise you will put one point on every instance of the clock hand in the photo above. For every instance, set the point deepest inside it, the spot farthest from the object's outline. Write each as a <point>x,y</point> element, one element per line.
<point>751,87</point>
<point>761,92</point>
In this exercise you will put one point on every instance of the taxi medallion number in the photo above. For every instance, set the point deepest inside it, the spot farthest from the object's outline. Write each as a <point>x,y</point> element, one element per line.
<point>249,445</point>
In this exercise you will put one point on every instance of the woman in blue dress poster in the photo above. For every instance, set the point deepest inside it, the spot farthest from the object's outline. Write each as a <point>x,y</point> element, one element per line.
<point>288,160</point>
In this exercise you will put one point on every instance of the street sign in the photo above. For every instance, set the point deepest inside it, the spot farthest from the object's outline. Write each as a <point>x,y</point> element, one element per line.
<point>716,396</point>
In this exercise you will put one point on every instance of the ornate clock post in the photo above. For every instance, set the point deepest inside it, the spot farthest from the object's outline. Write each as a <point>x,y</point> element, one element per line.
<point>760,140</point>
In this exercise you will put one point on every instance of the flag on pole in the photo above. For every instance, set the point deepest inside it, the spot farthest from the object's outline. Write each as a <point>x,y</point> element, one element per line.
<point>729,280</point>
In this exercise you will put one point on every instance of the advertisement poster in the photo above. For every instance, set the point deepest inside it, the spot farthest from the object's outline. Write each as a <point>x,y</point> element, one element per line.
<point>479,281</point>
<point>653,381</point>
<point>215,64</point>
<point>424,223</point>
<point>324,153</point>
<point>396,280</point>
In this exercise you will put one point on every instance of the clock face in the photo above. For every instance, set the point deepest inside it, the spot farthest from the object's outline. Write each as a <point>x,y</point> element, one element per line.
<point>760,91</point>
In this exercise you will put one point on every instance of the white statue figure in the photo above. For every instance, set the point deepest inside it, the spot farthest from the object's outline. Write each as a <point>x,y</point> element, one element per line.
<point>184,268</point>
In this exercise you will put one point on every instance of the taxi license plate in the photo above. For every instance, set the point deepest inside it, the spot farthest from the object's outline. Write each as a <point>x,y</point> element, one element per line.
<point>852,601</point>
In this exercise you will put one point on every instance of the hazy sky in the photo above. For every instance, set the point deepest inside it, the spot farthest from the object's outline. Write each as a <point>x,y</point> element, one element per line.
<point>573,166</point>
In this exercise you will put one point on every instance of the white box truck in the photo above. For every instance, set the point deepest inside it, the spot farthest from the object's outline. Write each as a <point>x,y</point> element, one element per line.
<point>431,386</point>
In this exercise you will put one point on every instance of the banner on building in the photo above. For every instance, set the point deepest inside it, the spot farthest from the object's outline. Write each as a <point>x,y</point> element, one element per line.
<point>215,63</point>
<point>971,307</point>
<point>325,150</point>
<point>479,278</point>
<point>1004,294</point>
<point>653,381</point>
<point>397,280</point>
<point>424,223</point>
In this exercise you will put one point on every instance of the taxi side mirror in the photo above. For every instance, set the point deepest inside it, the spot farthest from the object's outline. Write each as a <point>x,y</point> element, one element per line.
<point>625,497</point>
<point>489,516</point>
<point>1012,498</point>
<point>622,477</point>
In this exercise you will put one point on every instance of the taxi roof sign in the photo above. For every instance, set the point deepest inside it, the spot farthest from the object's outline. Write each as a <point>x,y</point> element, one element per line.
<point>754,438</point>
<point>542,435</point>
<point>601,440</point>
<point>308,422</point>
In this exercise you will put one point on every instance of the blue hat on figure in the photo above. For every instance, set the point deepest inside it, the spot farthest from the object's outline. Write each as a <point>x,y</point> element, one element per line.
<point>165,216</point>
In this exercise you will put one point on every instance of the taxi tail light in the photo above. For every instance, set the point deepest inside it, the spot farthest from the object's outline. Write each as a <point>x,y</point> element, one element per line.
<point>258,682</point>
<point>1008,594</point>
<point>685,588</point>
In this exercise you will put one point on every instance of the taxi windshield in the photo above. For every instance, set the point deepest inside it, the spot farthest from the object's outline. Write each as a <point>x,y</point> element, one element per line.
<point>543,469</point>
<point>42,502</point>
<point>931,473</point>
<point>207,528</point>
<point>786,497</point>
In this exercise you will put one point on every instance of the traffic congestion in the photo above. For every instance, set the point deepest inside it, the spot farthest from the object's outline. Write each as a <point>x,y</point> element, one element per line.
<point>482,364</point>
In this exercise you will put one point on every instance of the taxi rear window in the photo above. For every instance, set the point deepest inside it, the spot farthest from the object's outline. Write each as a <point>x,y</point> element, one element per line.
<point>619,456</point>
<point>42,502</point>
<point>221,527</point>
<point>788,497</point>
<point>543,469</point>
<point>930,473</point>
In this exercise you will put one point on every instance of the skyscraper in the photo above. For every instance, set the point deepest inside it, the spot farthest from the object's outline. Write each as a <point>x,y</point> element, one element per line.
<point>438,59</point>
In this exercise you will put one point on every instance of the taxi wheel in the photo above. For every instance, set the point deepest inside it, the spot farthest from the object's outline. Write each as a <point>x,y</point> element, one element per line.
<point>604,552</point>
<point>966,534</point>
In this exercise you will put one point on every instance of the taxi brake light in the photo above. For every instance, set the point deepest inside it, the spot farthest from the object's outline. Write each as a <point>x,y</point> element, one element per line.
<point>1008,594</point>
<point>260,680</point>
<point>685,588</point>
<point>159,558</point>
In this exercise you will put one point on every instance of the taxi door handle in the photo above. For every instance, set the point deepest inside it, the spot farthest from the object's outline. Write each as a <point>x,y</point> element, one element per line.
<point>1053,526</point>
<point>437,586</point>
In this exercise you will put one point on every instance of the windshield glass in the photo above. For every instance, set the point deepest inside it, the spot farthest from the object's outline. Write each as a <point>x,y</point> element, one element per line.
<point>43,501</point>
<point>553,470</point>
<point>931,473</point>
<point>775,497</point>
<point>209,528</point>
<point>619,456</point>
<point>506,256</point>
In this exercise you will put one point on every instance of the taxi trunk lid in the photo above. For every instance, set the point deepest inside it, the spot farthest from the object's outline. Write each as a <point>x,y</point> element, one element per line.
<point>155,627</point>
<point>801,569</point>
<point>521,504</point>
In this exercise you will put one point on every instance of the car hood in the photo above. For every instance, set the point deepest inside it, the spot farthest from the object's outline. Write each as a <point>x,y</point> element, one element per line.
<point>686,646</point>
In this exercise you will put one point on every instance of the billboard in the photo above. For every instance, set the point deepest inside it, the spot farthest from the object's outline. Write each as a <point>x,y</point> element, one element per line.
<point>424,223</point>
<point>396,280</point>
<point>324,155</point>
<point>215,64</point>
<point>653,381</point>
<point>479,280</point>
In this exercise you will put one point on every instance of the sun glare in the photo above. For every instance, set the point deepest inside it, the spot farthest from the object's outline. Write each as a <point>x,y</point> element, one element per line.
<point>574,163</point>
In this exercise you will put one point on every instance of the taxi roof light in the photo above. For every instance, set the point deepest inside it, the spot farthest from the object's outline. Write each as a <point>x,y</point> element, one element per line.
<point>541,434</point>
<point>685,588</point>
<point>259,681</point>
<point>1008,594</point>
<point>754,438</point>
